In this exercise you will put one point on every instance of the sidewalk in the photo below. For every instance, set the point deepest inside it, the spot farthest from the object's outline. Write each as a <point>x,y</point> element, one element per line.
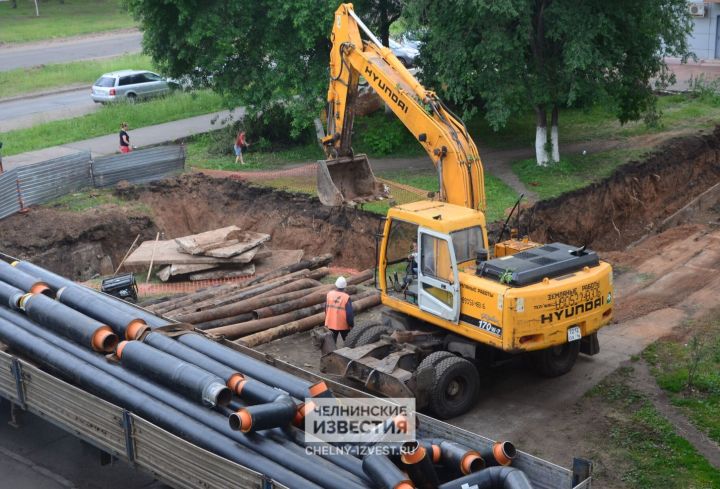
<point>141,137</point>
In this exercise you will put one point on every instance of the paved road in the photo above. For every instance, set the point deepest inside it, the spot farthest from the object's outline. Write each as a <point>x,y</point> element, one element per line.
<point>64,51</point>
<point>22,113</point>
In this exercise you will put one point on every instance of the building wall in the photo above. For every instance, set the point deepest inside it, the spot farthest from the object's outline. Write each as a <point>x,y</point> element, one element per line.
<point>702,40</point>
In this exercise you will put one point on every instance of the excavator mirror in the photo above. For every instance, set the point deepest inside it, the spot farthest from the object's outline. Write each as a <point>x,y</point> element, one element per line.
<point>348,179</point>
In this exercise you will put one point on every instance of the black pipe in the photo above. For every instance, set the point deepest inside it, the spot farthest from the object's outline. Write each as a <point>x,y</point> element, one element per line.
<point>501,453</point>
<point>256,369</point>
<point>114,390</point>
<point>303,466</point>
<point>184,377</point>
<point>69,322</point>
<point>10,296</point>
<point>385,473</point>
<point>419,466</point>
<point>492,478</point>
<point>259,417</point>
<point>23,281</point>
<point>459,458</point>
<point>126,325</point>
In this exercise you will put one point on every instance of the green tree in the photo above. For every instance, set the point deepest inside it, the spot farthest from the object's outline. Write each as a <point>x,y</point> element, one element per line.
<point>512,56</point>
<point>257,53</point>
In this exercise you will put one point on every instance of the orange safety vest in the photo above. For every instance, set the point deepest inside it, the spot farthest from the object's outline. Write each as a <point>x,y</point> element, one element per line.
<point>335,317</point>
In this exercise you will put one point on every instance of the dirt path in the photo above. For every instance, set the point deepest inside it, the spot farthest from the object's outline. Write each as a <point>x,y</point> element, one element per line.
<point>644,381</point>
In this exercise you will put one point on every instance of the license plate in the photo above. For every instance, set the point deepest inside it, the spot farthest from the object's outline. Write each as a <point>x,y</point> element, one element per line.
<point>574,334</point>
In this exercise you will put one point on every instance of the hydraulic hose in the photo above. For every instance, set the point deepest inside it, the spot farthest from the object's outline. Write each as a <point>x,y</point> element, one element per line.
<point>22,280</point>
<point>69,322</point>
<point>501,453</point>
<point>492,478</point>
<point>126,325</point>
<point>302,466</point>
<point>114,390</point>
<point>385,473</point>
<point>184,377</point>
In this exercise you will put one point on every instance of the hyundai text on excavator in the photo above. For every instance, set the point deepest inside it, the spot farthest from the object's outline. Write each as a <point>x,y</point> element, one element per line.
<point>449,307</point>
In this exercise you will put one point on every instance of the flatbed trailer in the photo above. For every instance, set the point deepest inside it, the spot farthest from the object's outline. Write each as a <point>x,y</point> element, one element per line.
<point>144,445</point>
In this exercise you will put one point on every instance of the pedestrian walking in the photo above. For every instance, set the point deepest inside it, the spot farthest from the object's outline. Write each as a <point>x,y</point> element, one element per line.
<point>240,145</point>
<point>124,138</point>
<point>338,310</point>
<point>1,167</point>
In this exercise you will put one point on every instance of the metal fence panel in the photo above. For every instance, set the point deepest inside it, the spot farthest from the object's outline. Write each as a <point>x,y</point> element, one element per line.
<point>47,180</point>
<point>186,465</point>
<point>8,194</point>
<point>140,166</point>
<point>8,387</point>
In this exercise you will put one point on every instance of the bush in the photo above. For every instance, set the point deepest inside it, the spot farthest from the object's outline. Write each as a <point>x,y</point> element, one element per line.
<point>381,135</point>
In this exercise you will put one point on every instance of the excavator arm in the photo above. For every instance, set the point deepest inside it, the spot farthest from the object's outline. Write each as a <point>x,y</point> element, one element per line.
<point>444,136</point>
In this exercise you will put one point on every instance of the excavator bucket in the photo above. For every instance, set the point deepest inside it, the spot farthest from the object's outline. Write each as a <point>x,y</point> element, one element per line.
<point>347,179</point>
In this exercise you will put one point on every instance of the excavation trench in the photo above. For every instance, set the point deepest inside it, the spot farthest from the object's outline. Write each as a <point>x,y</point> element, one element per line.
<point>606,216</point>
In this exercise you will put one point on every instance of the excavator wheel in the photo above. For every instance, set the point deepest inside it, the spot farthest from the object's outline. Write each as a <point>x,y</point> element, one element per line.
<point>355,333</point>
<point>370,335</point>
<point>555,361</point>
<point>455,387</point>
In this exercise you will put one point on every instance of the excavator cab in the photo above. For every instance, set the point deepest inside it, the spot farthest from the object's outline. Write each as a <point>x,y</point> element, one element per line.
<point>347,179</point>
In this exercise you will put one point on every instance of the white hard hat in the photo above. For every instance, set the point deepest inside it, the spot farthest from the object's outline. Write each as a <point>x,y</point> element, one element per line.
<point>341,283</point>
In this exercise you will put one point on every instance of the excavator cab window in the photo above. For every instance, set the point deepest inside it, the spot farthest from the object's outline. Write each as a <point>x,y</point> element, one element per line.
<point>401,259</point>
<point>439,287</point>
<point>465,242</point>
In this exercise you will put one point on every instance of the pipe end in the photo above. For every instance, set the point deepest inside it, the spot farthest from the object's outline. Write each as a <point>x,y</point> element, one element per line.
<point>413,453</point>
<point>504,452</point>
<point>471,462</point>
<point>236,383</point>
<point>41,288</point>
<point>241,420</point>
<point>320,390</point>
<point>136,329</point>
<point>120,348</point>
<point>104,340</point>
<point>302,411</point>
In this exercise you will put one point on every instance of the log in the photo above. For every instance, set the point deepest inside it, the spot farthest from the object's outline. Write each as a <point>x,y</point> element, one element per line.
<point>312,263</point>
<point>304,324</point>
<point>218,323</point>
<point>361,277</point>
<point>245,306</point>
<point>237,330</point>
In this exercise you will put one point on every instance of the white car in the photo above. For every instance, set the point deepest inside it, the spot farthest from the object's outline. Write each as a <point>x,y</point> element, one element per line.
<point>129,85</point>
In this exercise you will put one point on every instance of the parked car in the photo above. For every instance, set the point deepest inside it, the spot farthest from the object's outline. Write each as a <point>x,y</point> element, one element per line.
<point>404,52</point>
<point>129,85</point>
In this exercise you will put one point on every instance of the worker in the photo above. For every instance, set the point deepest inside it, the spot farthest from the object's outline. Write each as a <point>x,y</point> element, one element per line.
<point>338,310</point>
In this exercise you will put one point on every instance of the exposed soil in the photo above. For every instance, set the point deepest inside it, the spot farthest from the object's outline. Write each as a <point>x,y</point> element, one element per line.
<point>84,244</point>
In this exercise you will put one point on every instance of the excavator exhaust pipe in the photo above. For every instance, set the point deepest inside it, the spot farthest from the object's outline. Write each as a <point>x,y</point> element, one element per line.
<point>348,179</point>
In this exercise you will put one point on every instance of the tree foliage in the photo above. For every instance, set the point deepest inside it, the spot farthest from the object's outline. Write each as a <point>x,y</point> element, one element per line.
<point>511,56</point>
<point>256,53</point>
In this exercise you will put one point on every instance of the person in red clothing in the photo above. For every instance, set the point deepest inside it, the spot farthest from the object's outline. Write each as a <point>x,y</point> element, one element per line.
<point>338,310</point>
<point>240,145</point>
<point>124,138</point>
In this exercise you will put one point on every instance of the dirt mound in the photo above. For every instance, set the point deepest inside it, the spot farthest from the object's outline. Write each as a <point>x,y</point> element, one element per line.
<point>622,208</point>
<point>85,244</point>
<point>75,244</point>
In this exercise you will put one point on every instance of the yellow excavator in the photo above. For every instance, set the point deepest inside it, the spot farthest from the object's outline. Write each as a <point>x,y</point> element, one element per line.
<point>450,308</point>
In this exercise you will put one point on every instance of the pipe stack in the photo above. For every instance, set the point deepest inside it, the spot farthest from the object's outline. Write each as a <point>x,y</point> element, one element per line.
<point>216,397</point>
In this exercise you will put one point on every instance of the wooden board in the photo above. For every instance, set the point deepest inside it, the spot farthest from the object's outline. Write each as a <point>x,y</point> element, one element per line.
<point>246,240</point>
<point>197,244</point>
<point>167,254</point>
<point>224,273</point>
<point>278,259</point>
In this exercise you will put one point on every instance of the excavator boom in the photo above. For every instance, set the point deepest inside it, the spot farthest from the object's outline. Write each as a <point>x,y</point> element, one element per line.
<point>345,176</point>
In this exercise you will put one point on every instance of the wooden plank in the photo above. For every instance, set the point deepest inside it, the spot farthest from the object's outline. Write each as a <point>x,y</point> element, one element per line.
<point>167,254</point>
<point>197,244</point>
<point>247,240</point>
<point>224,273</point>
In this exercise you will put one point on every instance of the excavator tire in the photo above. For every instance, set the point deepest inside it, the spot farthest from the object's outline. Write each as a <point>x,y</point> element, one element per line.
<point>370,335</point>
<point>434,358</point>
<point>455,387</point>
<point>354,334</point>
<point>555,361</point>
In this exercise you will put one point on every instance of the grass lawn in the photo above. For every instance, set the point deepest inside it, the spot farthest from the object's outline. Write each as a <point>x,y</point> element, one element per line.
<point>573,171</point>
<point>106,121</point>
<point>71,18</point>
<point>92,198</point>
<point>689,370</point>
<point>650,454</point>
<point>44,77</point>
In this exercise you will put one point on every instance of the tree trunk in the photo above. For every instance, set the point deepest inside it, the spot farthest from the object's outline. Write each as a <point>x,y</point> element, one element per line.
<point>554,135</point>
<point>384,24</point>
<point>541,155</point>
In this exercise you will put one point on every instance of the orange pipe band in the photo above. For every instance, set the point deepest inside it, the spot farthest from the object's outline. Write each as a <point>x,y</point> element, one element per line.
<point>104,340</point>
